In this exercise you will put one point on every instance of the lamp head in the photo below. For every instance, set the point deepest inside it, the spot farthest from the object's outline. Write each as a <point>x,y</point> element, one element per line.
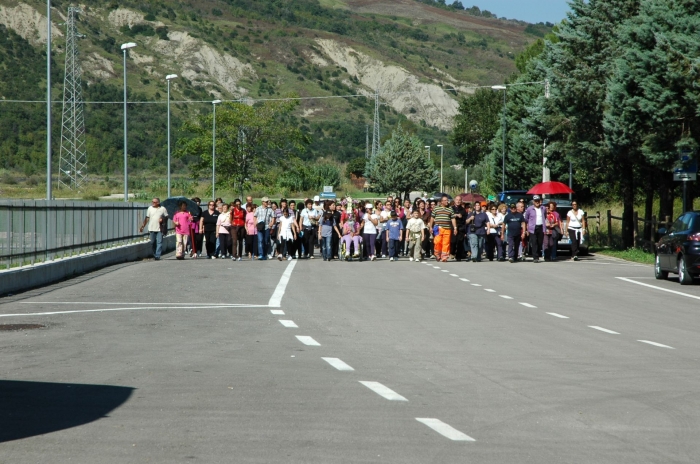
<point>498,87</point>
<point>216,102</point>
<point>128,45</point>
<point>170,77</point>
<point>440,146</point>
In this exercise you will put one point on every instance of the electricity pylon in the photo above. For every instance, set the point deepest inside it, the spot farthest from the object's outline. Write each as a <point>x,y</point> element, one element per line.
<point>73,159</point>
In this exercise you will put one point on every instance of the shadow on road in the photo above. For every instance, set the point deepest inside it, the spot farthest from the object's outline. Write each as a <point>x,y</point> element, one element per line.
<point>34,408</point>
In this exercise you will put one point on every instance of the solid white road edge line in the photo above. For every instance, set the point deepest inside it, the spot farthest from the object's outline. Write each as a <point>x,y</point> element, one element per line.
<point>602,329</point>
<point>383,391</point>
<point>276,298</point>
<point>657,344</point>
<point>444,429</point>
<point>528,305</point>
<point>288,323</point>
<point>306,340</point>
<point>131,308</point>
<point>338,364</point>
<point>659,288</point>
<point>104,303</point>
<point>558,315</point>
<point>277,312</point>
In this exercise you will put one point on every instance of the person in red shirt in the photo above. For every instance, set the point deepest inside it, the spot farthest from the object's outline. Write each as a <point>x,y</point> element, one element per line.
<point>237,229</point>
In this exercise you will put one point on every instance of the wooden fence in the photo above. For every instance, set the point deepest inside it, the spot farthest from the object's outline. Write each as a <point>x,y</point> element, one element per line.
<point>646,239</point>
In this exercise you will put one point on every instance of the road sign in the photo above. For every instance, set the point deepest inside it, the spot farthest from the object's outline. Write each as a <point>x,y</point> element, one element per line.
<point>685,176</point>
<point>327,189</point>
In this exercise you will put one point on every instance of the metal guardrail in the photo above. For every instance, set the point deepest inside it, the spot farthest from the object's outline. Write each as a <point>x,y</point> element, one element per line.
<point>39,231</point>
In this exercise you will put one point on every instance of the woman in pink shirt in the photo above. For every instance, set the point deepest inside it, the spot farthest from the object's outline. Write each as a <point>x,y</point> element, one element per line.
<point>223,234</point>
<point>251,237</point>
<point>182,221</point>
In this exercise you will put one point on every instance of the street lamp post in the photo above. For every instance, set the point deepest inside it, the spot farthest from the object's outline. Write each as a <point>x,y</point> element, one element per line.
<point>126,47</point>
<point>442,187</point>
<point>503,177</point>
<point>428,147</point>
<point>213,151</point>
<point>48,101</point>
<point>168,78</point>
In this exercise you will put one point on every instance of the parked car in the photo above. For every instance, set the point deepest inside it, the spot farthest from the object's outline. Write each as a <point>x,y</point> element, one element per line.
<point>678,250</point>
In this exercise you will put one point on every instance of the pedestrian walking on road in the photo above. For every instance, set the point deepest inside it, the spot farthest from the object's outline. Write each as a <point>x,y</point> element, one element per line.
<point>494,227</point>
<point>223,232</point>
<point>325,234</point>
<point>286,234</point>
<point>183,221</point>
<point>207,224</point>
<point>536,215</point>
<point>415,231</point>
<point>476,225</point>
<point>197,233</point>
<point>264,219</point>
<point>576,227</point>
<point>394,235</point>
<point>157,220</point>
<point>443,217</point>
<point>308,223</point>
<point>552,232</point>
<point>369,226</point>
<point>515,228</point>
<point>237,229</point>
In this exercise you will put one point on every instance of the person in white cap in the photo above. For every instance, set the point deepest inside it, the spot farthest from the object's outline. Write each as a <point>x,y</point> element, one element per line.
<point>369,222</point>
<point>535,216</point>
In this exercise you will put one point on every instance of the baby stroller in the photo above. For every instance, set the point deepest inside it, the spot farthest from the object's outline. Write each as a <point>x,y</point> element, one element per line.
<point>351,245</point>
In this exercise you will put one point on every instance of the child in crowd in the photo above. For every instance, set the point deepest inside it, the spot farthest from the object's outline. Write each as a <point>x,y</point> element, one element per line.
<point>394,232</point>
<point>182,221</point>
<point>415,229</point>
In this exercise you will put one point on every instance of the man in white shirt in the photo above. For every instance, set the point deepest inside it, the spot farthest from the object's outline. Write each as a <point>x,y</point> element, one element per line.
<point>157,219</point>
<point>308,220</point>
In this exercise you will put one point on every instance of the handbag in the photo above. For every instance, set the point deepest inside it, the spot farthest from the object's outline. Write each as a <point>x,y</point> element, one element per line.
<point>260,226</point>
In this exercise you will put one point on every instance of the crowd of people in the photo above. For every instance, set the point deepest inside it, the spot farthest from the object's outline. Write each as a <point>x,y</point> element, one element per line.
<point>442,229</point>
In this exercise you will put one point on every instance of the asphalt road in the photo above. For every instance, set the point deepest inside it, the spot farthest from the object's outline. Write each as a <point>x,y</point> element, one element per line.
<point>315,362</point>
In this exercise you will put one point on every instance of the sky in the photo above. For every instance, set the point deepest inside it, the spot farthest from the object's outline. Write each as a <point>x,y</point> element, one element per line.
<point>533,11</point>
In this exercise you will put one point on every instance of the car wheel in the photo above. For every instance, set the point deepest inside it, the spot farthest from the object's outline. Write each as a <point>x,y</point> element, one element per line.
<point>684,276</point>
<point>658,272</point>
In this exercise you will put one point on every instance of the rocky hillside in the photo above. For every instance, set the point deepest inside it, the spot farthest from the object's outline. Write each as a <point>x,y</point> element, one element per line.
<point>419,57</point>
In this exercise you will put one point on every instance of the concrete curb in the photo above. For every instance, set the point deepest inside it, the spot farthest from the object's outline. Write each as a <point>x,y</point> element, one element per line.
<point>27,277</point>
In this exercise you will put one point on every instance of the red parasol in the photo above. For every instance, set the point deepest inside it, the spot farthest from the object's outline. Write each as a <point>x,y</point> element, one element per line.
<point>549,188</point>
<point>471,197</point>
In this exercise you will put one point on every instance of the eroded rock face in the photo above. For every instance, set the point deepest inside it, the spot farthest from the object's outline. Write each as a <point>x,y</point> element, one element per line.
<point>401,89</point>
<point>29,23</point>
<point>203,64</point>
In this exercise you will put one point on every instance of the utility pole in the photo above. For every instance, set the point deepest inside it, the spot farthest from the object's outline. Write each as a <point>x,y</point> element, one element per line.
<point>367,141</point>
<point>72,165</point>
<point>49,193</point>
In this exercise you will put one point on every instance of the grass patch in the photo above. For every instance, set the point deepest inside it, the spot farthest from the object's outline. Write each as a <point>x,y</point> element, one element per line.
<point>636,255</point>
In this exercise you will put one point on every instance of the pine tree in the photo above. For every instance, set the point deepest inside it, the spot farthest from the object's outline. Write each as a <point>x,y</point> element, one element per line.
<point>401,166</point>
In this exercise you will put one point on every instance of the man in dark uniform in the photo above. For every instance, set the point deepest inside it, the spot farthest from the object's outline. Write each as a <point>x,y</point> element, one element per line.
<point>457,245</point>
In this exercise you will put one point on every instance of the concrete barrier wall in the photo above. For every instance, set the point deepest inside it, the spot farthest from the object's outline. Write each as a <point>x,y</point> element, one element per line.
<point>27,277</point>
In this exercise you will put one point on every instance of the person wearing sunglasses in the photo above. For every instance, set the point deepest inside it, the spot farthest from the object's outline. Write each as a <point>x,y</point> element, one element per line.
<point>157,219</point>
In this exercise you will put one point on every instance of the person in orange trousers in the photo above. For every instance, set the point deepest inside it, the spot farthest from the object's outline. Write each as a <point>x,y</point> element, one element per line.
<point>444,218</point>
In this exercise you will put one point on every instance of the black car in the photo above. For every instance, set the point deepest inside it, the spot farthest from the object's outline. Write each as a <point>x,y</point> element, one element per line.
<point>678,251</point>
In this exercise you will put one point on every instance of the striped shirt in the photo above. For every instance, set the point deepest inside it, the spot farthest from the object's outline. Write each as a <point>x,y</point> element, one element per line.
<point>443,217</point>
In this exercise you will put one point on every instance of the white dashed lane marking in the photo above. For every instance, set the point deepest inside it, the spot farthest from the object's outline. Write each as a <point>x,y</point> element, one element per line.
<point>444,429</point>
<point>657,344</point>
<point>383,391</point>
<point>277,312</point>
<point>338,364</point>
<point>558,315</point>
<point>289,324</point>
<point>528,305</point>
<point>476,285</point>
<point>464,280</point>
<point>454,275</point>
<point>506,297</point>
<point>306,340</point>
<point>445,270</point>
<point>489,290</point>
<point>602,329</point>
<point>435,267</point>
